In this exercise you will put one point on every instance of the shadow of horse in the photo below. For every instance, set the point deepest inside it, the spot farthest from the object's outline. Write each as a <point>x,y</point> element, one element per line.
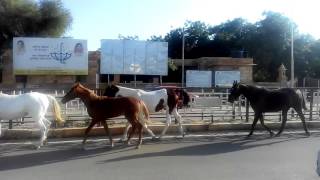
<point>60,153</point>
<point>55,153</point>
<point>222,146</point>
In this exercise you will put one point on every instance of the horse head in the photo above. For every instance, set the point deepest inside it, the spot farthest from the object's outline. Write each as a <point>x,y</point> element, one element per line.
<point>234,92</point>
<point>75,91</point>
<point>111,91</point>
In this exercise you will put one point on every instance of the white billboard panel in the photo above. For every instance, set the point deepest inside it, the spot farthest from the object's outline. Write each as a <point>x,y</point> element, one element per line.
<point>157,58</point>
<point>201,79</point>
<point>49,56</point>
<point>134,57</point>
<point>113,51</point>
<point>226,78</point>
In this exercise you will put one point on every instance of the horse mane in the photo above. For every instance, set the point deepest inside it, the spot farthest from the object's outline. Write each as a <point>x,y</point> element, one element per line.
<point>89,91</point>
<point>131,89</point>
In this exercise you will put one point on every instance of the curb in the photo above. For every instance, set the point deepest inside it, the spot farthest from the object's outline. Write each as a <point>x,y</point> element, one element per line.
<point>157,129</point>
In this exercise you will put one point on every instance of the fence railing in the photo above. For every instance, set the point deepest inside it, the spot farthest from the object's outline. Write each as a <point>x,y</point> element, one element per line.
<point>205,108</point>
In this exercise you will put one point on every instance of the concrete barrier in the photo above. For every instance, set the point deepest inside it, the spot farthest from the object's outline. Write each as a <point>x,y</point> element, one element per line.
<point>157,129</point>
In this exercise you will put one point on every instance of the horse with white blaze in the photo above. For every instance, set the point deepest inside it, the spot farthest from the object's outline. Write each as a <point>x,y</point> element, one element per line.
<point>154,100</point>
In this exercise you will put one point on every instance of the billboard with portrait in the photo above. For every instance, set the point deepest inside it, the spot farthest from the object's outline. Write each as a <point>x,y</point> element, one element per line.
<point>49,56</point>
<point>134,57</point>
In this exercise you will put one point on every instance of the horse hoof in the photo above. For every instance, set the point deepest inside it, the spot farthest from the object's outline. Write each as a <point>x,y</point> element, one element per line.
<point>160,138</point>
<point>45,142</point>
<point>112,145</point>
<point>179,137</point>
<point>308,133</point>
<point>138,147</point>
<point>271,134</point>
<point>184,134</point>
<point>277,135</point>
<point>154,138</point>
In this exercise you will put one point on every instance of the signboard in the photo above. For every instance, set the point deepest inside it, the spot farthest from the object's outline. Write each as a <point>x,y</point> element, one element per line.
<point>134,57</point>
<point>226,78</point>
<point>201,79</point>
<point>49,56</point>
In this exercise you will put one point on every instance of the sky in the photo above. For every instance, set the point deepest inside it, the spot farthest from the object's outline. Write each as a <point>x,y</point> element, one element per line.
<point>94,20</point>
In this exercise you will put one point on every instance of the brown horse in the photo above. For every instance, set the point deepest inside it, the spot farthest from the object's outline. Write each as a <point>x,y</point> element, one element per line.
<point>101,108</point>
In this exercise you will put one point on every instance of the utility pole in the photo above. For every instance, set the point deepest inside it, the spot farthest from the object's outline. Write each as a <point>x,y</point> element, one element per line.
<point>182,65</point>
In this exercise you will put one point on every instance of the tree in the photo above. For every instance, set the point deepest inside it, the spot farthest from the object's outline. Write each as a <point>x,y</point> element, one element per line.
<point>44,18</point>
<point>267,41</point>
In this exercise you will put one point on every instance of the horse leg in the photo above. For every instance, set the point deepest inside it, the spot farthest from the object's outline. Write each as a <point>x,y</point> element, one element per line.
<point>88,130</point>
<point>106,128</point>
<point>303,121</point>
<point>168,122</point>
<point>266,127</point>
<point>140,135</point>
<point>47,123</point>
<point>284,120</point>
<point>43,130</point>
<point>125,133</point>
<point>178,118</point>
<point>131,132</point>
<point>255,120</point>
<point>145,126</point>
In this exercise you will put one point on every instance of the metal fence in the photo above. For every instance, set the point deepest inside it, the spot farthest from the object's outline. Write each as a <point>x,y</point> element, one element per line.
<point>206,107</point>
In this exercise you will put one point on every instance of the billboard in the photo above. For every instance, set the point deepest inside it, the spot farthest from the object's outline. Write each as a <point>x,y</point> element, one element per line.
<point>134,57</point>
<point>49,56</point>
<point>226,78</point>
<point>198,78</point>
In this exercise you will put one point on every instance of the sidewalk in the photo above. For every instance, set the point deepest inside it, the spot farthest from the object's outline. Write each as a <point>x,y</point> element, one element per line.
<point>156,128</point>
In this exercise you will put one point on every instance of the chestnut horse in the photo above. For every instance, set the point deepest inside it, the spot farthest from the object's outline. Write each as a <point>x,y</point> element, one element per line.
<point>101,108</point>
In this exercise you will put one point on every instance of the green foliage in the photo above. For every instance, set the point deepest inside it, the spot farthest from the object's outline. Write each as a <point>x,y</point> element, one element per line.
<point>171,65</point>
<point>267,41</point>
<point>30,18</point>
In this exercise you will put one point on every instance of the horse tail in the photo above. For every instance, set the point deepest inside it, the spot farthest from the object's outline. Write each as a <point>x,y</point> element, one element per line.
<point>56,109</point>
<point>186,98</point>
<point>144,110</point>
<point>303,102</point>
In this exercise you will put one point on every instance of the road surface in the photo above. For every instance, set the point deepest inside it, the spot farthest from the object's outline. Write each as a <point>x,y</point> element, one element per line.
<point>221,156</point>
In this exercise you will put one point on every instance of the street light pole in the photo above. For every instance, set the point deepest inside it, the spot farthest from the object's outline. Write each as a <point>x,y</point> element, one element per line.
<point>292,58</point>
<point>182,66</point>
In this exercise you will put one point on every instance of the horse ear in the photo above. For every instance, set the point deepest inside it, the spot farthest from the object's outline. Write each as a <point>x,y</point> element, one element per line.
<point>234,83</point>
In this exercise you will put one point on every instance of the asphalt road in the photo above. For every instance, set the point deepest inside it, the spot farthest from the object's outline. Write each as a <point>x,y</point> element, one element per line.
<point>208,156</point>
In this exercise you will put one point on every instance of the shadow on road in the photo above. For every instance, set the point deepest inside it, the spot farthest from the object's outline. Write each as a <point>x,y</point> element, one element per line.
<point>54,153</point>
<point>218,146</point>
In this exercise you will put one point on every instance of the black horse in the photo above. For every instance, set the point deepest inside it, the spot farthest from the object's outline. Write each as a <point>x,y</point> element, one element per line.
<point>263,100</point>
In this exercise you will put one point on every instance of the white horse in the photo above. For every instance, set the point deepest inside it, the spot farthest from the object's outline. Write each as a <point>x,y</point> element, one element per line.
<point>31,104</point>
<point>154,100</point>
